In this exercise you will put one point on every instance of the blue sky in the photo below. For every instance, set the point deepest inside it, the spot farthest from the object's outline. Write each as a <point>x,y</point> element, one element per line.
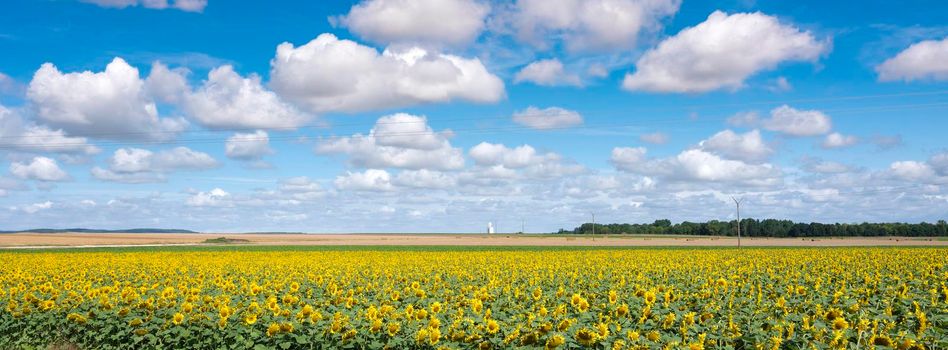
<point>439,116</point>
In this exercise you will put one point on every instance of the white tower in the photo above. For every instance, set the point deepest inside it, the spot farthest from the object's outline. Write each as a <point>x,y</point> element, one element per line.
<point>490,228</point>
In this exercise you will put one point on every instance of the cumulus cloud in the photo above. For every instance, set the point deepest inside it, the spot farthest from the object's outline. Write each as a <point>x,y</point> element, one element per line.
<point>301,188</point>
<point>397,141</point>
<point>425,22</point>
<point>820,166</point>
<point>721,53</point>
<point>500,161</point>
<point>248,146</point>
<point>926,60</point>
<point>749,146</point>
<point>39,169</point>
<point>213,198</point>
<point>36,207</point>
<point>183,5</point>
<point>837,140</point>
<point>655,138</point>
<point>744,120</point>
<point>9,85</point>
<point>227,100</point>
<point>112,104</point>
<point>167,85</point>
<point>328,74</point>
<point>932,171</point>
<point>912,170</point>
<point>694,165</point>
<point>374,180</point>
<point>18,134</point>
<point>547,118</point>
<point>547,72</point>
<point>136,165</point>
<point>795,122</point>
<point>589,25</point>
<point>425,178</point>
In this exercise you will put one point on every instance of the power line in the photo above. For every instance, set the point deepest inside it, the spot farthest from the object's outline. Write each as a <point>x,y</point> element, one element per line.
<point>507,117</point>
<point>481,130</point>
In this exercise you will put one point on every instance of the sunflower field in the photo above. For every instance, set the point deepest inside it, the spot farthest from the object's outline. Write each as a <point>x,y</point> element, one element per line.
<point>364,298</point>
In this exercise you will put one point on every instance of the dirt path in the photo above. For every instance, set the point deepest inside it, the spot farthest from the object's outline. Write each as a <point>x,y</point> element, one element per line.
<point>42,240</point>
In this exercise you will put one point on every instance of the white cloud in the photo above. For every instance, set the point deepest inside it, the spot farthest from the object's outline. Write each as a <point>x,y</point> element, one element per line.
<point>749,146</point>
<point>227,100</point>
<point>926,60</point>
<point>548,72</point>
<point>183,158</point>
<point>912,170</point>
<point>136,165</point>
<point>547,118</point>
<point>15,133</point>
<point>795,122</point>
<point>36,207</point>
<point>499,161</point>
<point>248,146</point>
<point>939,162</point>
<point>721,52</point>
<point>167,85</point>
<point>425,178</point>
<point>9,85</point>
<point>40,169</point>
<point>397,141</point>
<point>744,119</point>
<point>589,25</point>
<point>124,177</point>
<point>328,74</point>
<point>426,22</point>
<point>184,5</point>
<point>302,188</point>
<point>655,138</point>
<point>781,84</point>
<point>694,165</point>
<point>826,167</point>
<point>112,104</point>
<point>213,198</point>
<point>489,154</point>
<point>837,140</point>
<point>376,180</point>
<point>933,171</point>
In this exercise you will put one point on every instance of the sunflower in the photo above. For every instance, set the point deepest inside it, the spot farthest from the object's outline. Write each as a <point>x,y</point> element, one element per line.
<point>586,337</point>
<point>250,319</point>
<point>273,329</point>
<point>393,329</point>
<point>492,326</point>
<point>840,323</point>
<point>177,318</point>
<point>649,297</point>
<point>555,341</point>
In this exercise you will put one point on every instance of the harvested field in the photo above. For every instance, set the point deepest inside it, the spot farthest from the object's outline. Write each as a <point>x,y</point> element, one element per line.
<point>151,239</point>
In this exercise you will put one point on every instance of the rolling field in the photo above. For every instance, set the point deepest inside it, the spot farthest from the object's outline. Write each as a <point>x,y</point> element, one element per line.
<point>306,297</point>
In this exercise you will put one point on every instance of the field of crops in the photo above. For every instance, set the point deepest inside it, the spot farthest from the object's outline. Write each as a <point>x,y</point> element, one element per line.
<point>487,299</point>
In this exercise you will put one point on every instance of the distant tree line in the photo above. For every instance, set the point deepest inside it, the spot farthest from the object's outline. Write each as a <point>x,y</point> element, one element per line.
<point>767,228</point>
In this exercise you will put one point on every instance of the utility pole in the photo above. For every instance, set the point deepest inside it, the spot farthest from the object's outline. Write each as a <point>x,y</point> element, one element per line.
<point>594,222</point>
<point>522,224</point>
<point>737,202</point>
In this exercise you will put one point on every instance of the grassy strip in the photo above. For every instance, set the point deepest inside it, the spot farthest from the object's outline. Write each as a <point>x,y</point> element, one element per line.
<point>412,248</point>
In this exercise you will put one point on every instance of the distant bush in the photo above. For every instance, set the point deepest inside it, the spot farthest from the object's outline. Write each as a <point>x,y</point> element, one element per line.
<point>225,240</point>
